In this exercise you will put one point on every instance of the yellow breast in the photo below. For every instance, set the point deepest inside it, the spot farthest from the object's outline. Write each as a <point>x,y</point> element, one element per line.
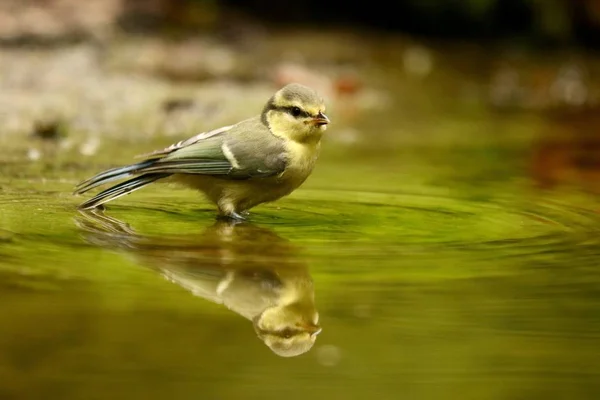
<point>301,159</point>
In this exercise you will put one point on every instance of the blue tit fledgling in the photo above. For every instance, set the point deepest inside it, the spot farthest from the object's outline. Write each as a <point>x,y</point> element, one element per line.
<point>248,269</point>
<point>237,167</point>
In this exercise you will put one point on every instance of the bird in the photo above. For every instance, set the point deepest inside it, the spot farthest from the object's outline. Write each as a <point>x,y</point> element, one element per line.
<point>250,270</point>
<point>237,167</point>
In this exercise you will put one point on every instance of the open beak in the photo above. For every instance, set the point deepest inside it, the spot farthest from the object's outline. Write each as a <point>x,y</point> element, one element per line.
<point>320,120</point>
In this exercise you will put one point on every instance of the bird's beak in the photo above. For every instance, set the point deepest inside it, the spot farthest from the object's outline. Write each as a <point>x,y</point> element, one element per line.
<point>313,330</point>
<point>320,119</point>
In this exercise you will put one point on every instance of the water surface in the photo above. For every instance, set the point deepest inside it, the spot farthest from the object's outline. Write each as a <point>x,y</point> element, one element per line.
<point>453,258</point>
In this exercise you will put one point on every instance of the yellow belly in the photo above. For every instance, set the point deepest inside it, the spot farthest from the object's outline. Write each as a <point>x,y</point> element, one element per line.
<point>238,196</point>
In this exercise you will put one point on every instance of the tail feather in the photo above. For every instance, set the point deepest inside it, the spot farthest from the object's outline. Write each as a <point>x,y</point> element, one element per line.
<point>111,175</point>
<point>121,189</point>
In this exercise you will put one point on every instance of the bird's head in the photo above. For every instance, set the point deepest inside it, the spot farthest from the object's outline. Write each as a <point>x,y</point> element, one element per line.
<point>288,330</point>
<point>296,112</point>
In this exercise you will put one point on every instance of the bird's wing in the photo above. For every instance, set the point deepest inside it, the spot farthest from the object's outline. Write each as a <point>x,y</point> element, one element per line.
<point>184,143</point>
<point>242,151</point>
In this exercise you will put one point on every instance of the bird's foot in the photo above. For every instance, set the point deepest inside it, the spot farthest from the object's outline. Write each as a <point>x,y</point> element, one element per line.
<point>232,217</point>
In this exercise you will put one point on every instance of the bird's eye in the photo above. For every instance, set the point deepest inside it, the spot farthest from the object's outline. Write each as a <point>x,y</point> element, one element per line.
<point>296,111</point>
<point>287,333</point>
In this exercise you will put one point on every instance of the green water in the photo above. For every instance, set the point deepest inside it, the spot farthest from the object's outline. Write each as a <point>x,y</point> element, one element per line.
<point>440,269</point>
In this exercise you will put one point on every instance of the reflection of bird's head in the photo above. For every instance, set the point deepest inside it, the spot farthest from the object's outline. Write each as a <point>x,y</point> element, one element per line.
<point>288,330</point>
<point>297,113</point>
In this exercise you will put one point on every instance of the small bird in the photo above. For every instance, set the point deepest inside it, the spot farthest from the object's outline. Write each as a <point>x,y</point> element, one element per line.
<point>237,167</point>
<point>246,268</point>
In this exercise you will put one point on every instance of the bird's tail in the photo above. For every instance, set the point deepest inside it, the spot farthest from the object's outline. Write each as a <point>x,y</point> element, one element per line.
<point>111,175</point>
<point>121,189</point>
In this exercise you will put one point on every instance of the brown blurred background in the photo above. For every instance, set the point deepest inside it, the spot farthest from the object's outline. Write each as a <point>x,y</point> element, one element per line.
<point>550,22</point>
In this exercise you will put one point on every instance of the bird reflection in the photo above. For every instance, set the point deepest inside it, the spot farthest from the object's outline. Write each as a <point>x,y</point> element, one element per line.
<point>249,269</point>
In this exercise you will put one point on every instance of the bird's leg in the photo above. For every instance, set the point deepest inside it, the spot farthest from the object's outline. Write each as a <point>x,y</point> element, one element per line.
<point>231,216</point>
<point>235,216</point>
<point>227,210</point>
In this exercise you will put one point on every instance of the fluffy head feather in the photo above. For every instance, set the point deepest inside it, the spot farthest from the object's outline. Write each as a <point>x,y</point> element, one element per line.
<point>289,330</point>
<point>296,112</point>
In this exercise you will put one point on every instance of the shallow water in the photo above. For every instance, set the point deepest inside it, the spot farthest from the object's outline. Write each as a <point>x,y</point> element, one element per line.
<point>459,262</point>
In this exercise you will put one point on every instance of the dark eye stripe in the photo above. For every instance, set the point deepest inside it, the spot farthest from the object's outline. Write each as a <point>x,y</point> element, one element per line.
<point>294,112</point>
<point>287,333</point>
<point>282,333</point>
<point>290,110</point>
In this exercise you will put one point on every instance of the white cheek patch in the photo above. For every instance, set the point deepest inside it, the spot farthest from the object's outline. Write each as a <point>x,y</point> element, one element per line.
<point>230,157</point>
